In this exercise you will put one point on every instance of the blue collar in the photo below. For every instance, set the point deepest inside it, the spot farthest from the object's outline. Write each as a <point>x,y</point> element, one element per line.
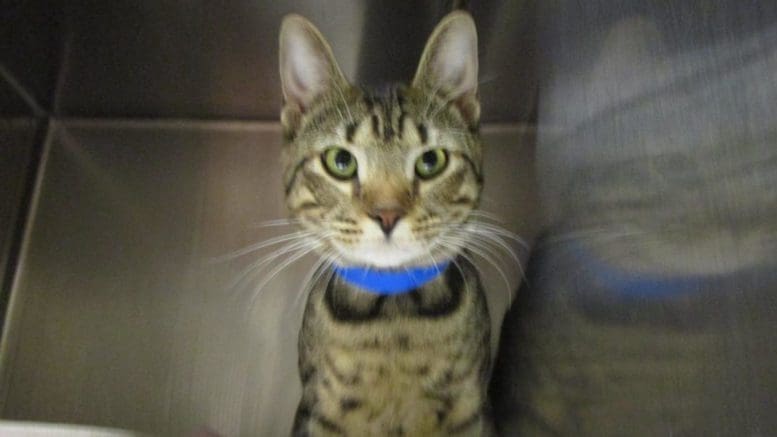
<point>390,282</point>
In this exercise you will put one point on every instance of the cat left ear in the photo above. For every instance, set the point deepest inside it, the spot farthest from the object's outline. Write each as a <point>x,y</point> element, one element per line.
<point>449,65</point>
<point>308,68</point>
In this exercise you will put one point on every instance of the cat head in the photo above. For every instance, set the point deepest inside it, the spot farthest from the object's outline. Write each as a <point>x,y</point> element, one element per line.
<point>383,179</point>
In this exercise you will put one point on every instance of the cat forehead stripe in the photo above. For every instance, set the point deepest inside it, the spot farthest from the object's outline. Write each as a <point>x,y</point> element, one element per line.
<point>386,111</point>
<point>386,119</point>
<point>423,134</point>
<point>350,129</point>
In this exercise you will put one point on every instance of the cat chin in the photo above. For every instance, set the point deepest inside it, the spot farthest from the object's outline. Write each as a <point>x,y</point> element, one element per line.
<point>388,256</point>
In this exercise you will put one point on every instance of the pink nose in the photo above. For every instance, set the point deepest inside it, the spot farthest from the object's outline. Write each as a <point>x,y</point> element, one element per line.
<point>387,218</point>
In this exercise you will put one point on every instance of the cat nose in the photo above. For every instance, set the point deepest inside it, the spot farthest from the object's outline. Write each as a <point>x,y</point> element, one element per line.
<point>387,218</point>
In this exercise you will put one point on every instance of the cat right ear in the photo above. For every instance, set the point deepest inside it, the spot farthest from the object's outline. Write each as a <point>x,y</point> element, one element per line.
<point>308,68</point>
<point>449,65</point>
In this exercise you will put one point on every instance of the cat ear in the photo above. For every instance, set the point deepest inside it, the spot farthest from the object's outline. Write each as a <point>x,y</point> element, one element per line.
<point>449,65</point>
<point>308,68</point>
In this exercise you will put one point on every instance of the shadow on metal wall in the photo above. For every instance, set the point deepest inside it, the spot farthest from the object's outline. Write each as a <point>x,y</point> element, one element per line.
<point>650,306</point>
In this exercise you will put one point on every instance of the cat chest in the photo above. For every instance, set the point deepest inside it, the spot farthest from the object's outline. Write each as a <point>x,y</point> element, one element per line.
<point>397,385</point>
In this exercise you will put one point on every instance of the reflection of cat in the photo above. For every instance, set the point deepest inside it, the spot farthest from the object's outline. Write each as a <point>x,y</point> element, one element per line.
<point>384,185</point>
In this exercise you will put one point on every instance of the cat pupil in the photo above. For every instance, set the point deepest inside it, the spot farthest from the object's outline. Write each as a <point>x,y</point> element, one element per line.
<point>429,159</point>
<point>342,160</point>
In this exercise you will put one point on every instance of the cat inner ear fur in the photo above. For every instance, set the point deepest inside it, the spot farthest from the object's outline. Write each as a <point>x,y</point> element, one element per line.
<point>449,65</point>
<point>308,69</point>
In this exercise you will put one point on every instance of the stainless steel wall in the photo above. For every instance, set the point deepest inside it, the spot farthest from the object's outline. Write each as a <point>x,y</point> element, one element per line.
<point>121,317</point>
<point>140,141</point>
<point>217,60</point>
<point>161,154</point>
<point>18,139</point>
<point>28,68</point>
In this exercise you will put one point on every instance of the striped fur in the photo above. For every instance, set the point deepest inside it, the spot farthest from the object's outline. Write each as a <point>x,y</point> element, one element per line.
<point>414,364</point>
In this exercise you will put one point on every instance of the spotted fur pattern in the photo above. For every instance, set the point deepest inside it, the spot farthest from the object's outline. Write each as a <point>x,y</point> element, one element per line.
<point>417,363</point>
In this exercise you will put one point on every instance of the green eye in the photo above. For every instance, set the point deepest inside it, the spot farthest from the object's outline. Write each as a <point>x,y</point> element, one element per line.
<point>339,163</point>
<point>431,163</point>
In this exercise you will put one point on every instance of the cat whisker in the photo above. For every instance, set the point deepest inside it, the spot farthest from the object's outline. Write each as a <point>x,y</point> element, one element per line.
<point>277,222</point>
<point>502,232</point>
<point>472,243</point>
<point>293,221</point>
<point>487,236</point>
<point>482,244</point>
<point>443,243</point>
<point>483,238</point>
<point>309,280</point>
<point>486,214</point>
<point>257,266</point>
<point>431,257</point>
<point>459,241</point>
<point>479,250</point>
<point>461,271</point>
<point>298,235</point>
<point>497,235</point>
<point>495,238</point>
<point>279,268</point>
<point>507,290</point>
<point>320,267</point>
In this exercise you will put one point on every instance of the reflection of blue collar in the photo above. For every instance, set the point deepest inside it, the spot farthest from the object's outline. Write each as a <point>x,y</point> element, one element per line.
<point>390,282</point>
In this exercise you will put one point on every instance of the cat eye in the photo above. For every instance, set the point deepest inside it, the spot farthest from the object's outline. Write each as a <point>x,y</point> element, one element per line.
<point>431,163</point>
<point>339,162</point>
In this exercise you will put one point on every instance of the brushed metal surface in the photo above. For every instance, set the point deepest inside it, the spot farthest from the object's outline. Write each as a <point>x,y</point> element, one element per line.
<point>31,46</point>
<point>217,60</point>
<point>11,104</point>
<point>122,316</point>
<point>651,307</point>
<point>18,138</point>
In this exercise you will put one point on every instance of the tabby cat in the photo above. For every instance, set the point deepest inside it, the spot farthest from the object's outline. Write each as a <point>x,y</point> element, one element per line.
<point>385,182</point>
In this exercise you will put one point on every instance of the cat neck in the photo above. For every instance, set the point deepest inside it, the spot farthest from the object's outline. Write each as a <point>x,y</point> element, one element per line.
<point>440,295</point>
<point>392,281</point>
